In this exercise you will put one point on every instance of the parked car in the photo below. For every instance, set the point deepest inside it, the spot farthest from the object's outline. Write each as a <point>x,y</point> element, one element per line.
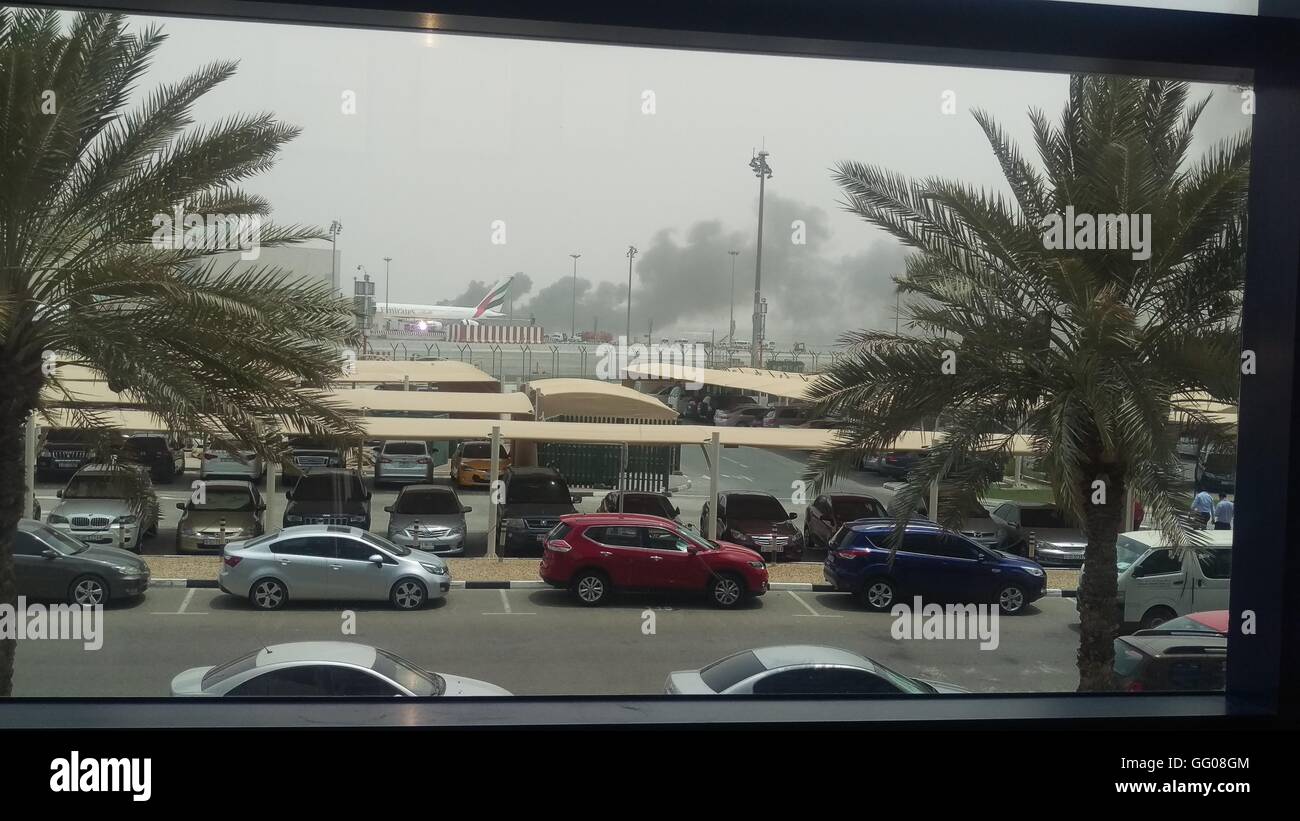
<point>218,463</point>
<point>1167,659</point>
<point>316,562</point>
<point>642,502</point>
<point>743,416</point>
<point>331,669</point>
<point>710,403</point>
<point>831,511</point>
<point>596,553</point>
<point>976,524</point>
<point>305,452</point>
<point>64,452</point>
<point>896,464</point>
<point>803,670</point>
<point>1058,542</point>
<point>229,511</point>
<point>535,499</point>
<point>328,496</point>
<point>1216,471</point>
<point>50,565</point>
<point>822,424</point>
<point>785,416</point>
<point>162,453</point>
<point>471,463</point>
<point>428,517</point>
<point>932,562</point>
<point>1156,585</point>
<point>404,461</point>
<point>108,505</point>
<point>757,521</point>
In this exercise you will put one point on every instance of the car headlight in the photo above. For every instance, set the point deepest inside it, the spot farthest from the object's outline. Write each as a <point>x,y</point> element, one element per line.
<point>125,520</point>
<point>757,565</point>
<point>456,530</point>
<point>1033,571</point>
<point>435,569</point>
<point>56,519</point>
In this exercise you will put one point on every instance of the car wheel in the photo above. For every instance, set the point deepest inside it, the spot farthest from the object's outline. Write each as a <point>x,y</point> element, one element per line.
<point>591,587</point>
<point>409,594</point>
<point>1012,600</point>
<point>1155,617</point>
<point>726,591</point>
<point>88,591</point>
<point>878,594</point>
<point>268,594</point>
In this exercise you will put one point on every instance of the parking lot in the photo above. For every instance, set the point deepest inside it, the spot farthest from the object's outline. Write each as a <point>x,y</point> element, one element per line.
<point>539,642</point>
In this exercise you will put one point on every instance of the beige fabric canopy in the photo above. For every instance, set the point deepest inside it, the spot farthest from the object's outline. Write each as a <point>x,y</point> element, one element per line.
<point>364,371</point>
<point>750,380</point>
<point>591,397</point>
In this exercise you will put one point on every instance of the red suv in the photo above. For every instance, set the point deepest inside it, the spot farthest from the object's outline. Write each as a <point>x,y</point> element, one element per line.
<point>594,553</point>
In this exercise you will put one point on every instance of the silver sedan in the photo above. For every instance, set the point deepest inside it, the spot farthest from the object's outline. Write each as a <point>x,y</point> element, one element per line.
<point>330,562</point>
<point>800,669</point>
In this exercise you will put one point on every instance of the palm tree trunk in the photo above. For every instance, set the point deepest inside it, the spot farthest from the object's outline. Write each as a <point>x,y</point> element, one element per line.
<point>1099,589</point>
<point>19,391</point>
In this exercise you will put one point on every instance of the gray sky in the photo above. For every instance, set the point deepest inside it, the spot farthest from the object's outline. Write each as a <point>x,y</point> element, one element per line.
<point>451,133</point>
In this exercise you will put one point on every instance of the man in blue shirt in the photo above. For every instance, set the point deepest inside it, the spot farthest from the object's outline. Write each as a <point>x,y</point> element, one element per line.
<point>1202,507</point>
<point>1223,512</point>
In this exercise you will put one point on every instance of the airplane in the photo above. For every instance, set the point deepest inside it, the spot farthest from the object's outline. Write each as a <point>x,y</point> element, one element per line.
<point>429,316</point>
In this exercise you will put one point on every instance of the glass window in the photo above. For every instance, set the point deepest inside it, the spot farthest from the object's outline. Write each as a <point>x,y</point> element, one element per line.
<point>305,681</point>
<point>331,486</point>
<point>406,448</point>
<point>824,681</point>
<point>355,551</point>
<point>427,502</point>
<point>349,681</point>
<point>659,539</point>
<point>731,670</point>
<point>25,544</point>
<point>754,506</point>
<point>316,546</point>
<point>848,508</point>
<point>1159,563</point>
<point>1215,563</point>
<point>616,536</point>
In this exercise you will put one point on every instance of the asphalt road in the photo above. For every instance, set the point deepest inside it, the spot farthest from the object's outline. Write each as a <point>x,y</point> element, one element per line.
<point>539,642</point>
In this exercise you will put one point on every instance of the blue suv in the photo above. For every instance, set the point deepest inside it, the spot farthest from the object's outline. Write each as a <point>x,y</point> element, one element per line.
<point>931,562</point>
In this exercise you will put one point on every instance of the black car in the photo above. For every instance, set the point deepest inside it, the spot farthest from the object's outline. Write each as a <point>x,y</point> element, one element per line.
<point>641,502</point>
<point>535,499</point>
<point>1057,542</point>
<point>160,453</point>
<point>328,496</point>
<point>758,521</point>
<point>831,511</point>
<point>50,565</point>
<point>65,451</point>
<point>896,464</point>
<point>305,452</point>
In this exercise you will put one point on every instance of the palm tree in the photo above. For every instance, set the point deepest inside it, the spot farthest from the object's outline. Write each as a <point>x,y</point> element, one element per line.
<point>85,185</point>
<point>1085,352</point>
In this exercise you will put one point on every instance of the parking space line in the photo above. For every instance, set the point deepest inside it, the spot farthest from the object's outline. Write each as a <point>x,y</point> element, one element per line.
<point>811,612</point>
<point>506,609</point>
<point>183,609</point>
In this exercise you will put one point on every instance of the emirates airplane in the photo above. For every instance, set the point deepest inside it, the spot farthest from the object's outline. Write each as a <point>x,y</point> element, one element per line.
<point>434,316</point>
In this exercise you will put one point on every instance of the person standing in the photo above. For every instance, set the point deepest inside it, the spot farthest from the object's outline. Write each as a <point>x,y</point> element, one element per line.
<point>1223,513</point>
<point>1202,508</point>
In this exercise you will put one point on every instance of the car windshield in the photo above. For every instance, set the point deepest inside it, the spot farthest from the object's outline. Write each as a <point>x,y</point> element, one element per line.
<point>1127,551</point>
<point>765,508</point>
<point>397,669</point>
<point>731,670</point>
<point>378,541</point>
<point>646,505</point>
<point>98,486</point>
<point>308,442</point>
<point>538,490</point>
<point>329,486</point>
<point>848,508</point>
<point>1048,517</point>
<point>480,450</point>
<point>405,448</point>
<point>224,499</point>
<point>427,503</point>
<point>60,541</point>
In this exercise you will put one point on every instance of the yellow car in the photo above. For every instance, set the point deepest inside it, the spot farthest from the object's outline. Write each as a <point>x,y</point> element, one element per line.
<point>471,463</point>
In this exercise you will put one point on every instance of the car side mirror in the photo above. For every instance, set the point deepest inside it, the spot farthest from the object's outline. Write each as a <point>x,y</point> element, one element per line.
<point>50,553</point>
<point>180,505</point>
<point>377,560</point>
<point>677,511</point>
<point>692,550</point>
<point>793,516</point>
<point>388,508</point>
<point>466,509</point>
<point>288,494</point>
<point>59,494</point>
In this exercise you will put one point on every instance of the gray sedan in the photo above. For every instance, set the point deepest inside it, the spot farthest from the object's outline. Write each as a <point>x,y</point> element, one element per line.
<point>799,669</point>
<point>428,517</point>
<point>50,565</point>
<point>330,562</point>
<point>330,669</point>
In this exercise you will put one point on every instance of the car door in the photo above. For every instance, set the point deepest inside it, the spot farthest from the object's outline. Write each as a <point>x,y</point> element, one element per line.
<point>303,563</point>
<point>1211,573</point>
<point>619,553</point>
<point>924,567</point>
<point>963,577</point>
<point>37,576</point>
<point>822,680</point>
<point>353,576</point>
<point>1159,579</point>
<point>819,519</point>
<point>1006,519</point>
<point>671,565</point>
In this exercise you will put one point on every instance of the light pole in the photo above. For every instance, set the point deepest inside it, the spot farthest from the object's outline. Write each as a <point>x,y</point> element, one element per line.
<point>510,311</point>
<point>335,228</point>
<point>731,333</point>
<point>631,252</point>
<point>386,283</point>
<point>573,318</point>
<point>764,172</point>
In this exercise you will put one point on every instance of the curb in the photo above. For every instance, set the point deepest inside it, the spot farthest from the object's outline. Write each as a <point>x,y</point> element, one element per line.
<point>520,584</point>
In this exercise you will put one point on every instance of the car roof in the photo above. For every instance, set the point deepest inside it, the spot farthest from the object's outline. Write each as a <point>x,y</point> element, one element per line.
<point>1180,644</point>
<point>614,518</point>
<point>851,496</point>
<point>731,493</point>
<point>533,471</point>
<point>344,652</point>
<point>427,488</point>
<point>786,655</point>
<point>331,471</point>
<point>99,467</point>
<point>1216,620</point>
<point>404,442</point>
<point>227,484</point>
<point>1156,538</point>
<point>913,525</point>
<point>308,530</point>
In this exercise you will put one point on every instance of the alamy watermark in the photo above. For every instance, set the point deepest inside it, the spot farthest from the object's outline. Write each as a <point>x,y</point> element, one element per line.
<point>954,622</point>
<point>1098,232</point>
<point>67,622</point>
<point>181,231</point>
<point>685,362</point>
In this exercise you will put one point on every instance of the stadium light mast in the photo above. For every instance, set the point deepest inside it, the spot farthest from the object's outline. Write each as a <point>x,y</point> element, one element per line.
<point>731,329</point>
<point>631,252</point>
<point>764,172</point>
<point>573,319</point>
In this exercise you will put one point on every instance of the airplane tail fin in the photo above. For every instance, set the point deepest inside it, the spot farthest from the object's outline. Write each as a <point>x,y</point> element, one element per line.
<point>495,298</point>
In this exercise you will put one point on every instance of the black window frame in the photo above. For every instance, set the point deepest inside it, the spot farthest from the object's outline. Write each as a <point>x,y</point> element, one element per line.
<point>1263,677</point>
